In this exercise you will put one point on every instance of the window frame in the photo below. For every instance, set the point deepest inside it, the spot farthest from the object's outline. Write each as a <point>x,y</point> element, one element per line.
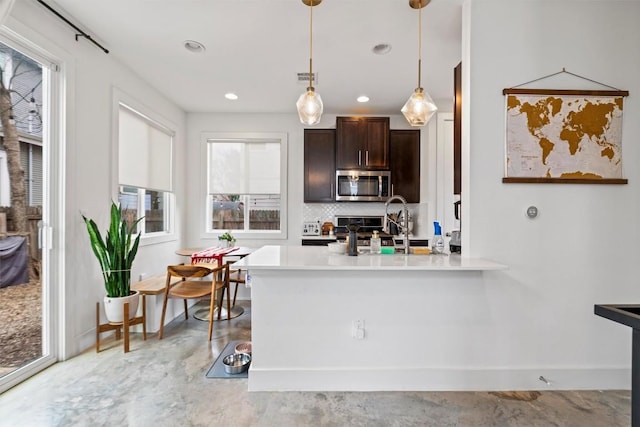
<point>120,98</point>
<point>205,208</point>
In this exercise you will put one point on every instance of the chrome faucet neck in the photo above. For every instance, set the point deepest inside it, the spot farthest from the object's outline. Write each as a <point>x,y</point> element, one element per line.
<point>405,215</point>
<point>397,197</point>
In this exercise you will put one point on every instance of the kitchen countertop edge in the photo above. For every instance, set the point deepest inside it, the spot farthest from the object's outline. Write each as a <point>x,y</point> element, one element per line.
<point>319,258</point>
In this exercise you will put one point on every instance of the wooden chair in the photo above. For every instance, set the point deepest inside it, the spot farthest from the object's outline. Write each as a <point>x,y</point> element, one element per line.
<point>191,286</point>
<point>220,283</point>
<point>237,277</point>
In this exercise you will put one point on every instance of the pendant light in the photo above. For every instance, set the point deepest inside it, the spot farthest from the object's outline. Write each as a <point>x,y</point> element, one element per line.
<point>310,104</point>
<point>419,109</point>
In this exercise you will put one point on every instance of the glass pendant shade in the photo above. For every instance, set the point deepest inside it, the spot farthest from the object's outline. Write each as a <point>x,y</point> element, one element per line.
<point>310,107</point>
<point>309,104</point>
<point>419,108</point>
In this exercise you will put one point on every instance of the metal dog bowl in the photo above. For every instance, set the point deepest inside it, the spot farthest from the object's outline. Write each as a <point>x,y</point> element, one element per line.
<point>244,347</point>
<point>236,363</point>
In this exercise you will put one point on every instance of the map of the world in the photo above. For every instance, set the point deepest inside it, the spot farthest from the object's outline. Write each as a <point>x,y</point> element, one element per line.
<point>564,136</point>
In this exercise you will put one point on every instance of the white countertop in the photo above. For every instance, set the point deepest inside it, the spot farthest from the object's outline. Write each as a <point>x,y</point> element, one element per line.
<point>319,258</point>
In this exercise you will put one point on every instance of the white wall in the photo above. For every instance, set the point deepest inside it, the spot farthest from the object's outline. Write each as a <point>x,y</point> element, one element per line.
<point>582,249</point>
<point>87,148</point>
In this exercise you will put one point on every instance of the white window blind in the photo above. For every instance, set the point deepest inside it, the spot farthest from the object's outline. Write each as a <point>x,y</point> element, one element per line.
<point>244,167</point>
<point>144,153</point>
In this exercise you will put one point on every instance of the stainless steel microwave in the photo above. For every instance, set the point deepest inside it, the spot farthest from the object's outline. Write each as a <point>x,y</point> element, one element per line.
<point>362,185</point>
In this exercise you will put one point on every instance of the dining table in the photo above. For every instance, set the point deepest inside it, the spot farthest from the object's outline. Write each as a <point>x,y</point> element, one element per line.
<point>211,257</point>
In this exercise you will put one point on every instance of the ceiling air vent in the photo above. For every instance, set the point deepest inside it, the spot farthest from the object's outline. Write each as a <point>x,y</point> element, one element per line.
<point>303,79</point>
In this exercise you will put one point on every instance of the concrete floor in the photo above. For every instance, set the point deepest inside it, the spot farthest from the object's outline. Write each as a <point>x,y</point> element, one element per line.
<point>162,383</point>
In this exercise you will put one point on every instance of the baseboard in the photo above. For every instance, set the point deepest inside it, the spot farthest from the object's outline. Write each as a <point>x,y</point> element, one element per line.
<point>422,379</point>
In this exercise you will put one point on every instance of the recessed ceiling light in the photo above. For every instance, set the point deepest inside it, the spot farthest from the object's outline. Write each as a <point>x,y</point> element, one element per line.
<point>363,98</point>
<point>194,46</point>
<point>381,49</point>
<point>231,96</point>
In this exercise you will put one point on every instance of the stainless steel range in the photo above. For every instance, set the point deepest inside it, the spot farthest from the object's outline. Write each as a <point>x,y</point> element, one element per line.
<point>367,225</point>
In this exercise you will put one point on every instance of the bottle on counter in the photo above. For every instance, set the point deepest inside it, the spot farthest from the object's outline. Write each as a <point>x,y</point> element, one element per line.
<point>352,246</point>
<point>437,246</point>
<point>375,243</point>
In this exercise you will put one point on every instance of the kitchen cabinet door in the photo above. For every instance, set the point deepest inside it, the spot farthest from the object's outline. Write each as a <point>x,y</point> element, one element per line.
<point>362,143</point>
<point>404,160</point>
<point>350,136</point>
<point>377,143</point>
<point>319,165</point>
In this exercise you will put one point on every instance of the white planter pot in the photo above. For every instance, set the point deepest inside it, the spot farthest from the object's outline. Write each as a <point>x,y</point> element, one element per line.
<point>226,243</point>
<point>113,307</point>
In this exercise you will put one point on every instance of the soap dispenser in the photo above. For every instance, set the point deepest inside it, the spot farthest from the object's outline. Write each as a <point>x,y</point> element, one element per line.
<point>375,242</point>
<point>437,246</point>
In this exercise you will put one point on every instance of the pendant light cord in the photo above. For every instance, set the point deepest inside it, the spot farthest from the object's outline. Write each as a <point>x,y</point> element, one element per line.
<point>419,43</point>
<point>311,46</point>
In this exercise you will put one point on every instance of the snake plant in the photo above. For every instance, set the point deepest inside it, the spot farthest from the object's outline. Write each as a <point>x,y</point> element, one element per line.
<point>115,252</point>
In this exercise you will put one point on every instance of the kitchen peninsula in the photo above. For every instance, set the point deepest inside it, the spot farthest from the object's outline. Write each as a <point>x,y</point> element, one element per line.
<point>323,321</point>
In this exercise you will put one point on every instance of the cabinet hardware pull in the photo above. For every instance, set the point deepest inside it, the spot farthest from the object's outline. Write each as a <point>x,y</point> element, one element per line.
<point>366,158</point>
<point>359,157</point>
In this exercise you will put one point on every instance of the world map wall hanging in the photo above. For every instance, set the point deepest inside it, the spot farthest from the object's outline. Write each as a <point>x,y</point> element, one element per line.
<point>564,136</point>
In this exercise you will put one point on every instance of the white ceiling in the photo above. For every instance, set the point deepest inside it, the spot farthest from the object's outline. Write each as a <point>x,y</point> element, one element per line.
<point>255,48</point>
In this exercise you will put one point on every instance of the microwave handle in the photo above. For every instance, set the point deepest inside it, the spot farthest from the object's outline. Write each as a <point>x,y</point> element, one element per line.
<point>380,186</point>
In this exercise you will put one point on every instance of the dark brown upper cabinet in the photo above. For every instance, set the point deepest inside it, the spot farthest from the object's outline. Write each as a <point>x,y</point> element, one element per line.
<point>457,129</point>
<point>362,143</point>
<point>404,158</point>
<point>319,165</point>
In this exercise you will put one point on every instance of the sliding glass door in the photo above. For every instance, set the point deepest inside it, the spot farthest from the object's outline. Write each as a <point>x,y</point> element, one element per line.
<point>28,303</point>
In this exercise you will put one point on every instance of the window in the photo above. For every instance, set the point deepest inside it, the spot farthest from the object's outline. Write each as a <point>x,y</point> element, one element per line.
<point>137,202</point>
<point>246,182</point>
<point>145,172</point>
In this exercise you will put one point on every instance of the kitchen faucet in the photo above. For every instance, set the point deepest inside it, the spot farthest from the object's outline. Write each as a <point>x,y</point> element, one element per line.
<point>405,216</point>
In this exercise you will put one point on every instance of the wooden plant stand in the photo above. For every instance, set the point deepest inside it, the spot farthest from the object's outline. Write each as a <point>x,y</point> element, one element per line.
<point>117,326</point>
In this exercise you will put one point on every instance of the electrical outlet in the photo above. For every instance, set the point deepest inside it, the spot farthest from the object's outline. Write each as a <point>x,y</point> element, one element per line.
<point>142,277</point>
<point>358,329</point>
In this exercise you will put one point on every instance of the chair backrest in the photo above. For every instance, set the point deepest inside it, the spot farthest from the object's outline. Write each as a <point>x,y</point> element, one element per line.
<point>221,274</point>
<point>187,271</point>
